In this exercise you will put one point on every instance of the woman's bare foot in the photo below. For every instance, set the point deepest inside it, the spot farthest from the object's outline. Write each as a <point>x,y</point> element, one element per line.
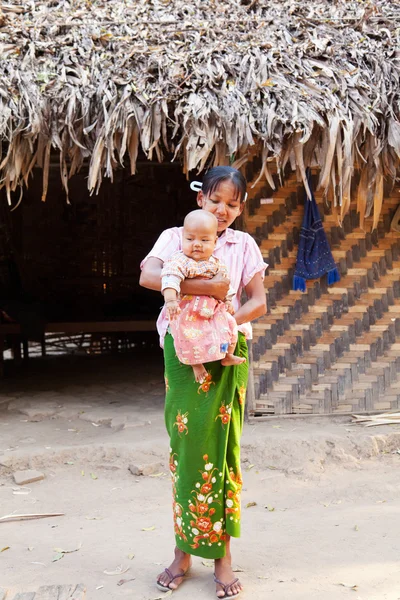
<point>223,572</point>
<point>200,373</point>
<point>231,360</point>
<point>180,564</point>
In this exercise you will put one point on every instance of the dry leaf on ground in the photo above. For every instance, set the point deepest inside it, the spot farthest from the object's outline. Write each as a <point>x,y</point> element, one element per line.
<point>351,587</point>
<point>61,551</point>
<point>118,571</point>
<point>57,556</point>
<point>15,517</point>
<point>122,581</point>
<point>250,504</point>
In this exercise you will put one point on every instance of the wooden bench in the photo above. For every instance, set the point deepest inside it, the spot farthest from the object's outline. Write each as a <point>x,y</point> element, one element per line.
<point>68,328</point>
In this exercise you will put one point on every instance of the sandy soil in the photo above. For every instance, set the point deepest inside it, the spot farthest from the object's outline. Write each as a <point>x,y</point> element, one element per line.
<point>327,493</point>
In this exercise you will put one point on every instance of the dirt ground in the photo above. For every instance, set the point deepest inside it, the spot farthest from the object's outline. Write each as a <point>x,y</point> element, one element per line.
<point>325,525</point>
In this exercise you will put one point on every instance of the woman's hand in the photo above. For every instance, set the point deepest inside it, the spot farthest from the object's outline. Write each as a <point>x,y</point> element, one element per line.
<point>217,287</point>
<point>220,287</point>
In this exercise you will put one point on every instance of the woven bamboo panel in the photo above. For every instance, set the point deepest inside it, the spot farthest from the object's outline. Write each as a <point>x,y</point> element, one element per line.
<point>329,350</point>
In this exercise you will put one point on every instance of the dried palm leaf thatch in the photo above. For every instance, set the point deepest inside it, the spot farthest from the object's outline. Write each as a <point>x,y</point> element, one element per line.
<point>206,82</point>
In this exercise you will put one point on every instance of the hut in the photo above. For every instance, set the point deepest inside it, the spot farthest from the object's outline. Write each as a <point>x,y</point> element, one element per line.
<point>108,108</point>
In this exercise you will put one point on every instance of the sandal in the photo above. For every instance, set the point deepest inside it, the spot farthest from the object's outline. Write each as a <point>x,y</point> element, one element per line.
<point>166,588</point>
<point>226,587</point>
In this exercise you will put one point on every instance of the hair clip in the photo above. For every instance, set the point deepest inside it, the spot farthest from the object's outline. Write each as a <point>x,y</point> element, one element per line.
<point>196,186</point>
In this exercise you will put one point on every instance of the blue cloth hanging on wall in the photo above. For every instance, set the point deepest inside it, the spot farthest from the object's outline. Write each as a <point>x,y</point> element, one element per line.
<point>314,256</point>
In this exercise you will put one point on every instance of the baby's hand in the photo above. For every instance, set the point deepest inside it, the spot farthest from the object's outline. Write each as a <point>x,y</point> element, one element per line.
<point>173,309</point>
<point>229,307</point>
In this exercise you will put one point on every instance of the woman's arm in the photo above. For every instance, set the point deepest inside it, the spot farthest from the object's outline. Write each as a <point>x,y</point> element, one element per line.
<point>256,304</point>
<point>217,287</point>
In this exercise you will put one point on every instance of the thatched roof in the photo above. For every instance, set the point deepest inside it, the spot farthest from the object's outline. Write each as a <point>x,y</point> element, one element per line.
<point>310,83</point>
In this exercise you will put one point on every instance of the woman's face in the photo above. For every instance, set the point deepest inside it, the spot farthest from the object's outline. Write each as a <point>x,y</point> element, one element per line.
<point>223,203</point>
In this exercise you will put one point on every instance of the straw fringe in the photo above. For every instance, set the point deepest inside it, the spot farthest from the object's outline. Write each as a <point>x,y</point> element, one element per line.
<point>306,85</point>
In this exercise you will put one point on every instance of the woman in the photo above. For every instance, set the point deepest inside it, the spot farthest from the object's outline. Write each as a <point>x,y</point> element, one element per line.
<point>205,422</point>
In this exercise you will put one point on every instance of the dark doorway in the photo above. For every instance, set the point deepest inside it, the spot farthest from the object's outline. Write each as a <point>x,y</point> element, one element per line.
<point>81,261</point>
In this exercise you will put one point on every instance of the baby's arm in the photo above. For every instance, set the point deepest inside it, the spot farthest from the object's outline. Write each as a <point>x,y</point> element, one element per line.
<point>171,303</point>
<point>229,307</point>
<point>171,279</point>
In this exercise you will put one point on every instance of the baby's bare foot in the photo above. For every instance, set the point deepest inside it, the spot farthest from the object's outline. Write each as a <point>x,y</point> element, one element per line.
<point>200,373</point>
<point>231,360</point>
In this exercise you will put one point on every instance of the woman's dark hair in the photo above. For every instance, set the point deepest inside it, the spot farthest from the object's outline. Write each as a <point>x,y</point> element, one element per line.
<point>217,175</point>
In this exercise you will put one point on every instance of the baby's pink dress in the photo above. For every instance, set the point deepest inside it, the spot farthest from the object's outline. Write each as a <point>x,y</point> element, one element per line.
<point>204,329</point>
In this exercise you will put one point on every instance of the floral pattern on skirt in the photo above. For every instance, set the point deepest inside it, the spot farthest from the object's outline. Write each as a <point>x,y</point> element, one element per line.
<point>205,458</point>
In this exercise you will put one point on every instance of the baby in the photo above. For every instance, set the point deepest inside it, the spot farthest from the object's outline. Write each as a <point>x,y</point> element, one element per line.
<point>203,328</point>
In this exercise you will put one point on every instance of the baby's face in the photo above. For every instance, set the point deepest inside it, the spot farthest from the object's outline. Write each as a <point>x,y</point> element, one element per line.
<point>199,240</point>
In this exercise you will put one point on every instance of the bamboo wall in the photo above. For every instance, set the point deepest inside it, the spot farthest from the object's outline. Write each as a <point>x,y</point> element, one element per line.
<point>331,349</point>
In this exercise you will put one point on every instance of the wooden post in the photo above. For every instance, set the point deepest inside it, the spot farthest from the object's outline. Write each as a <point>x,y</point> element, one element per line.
<point>1,356</point>
<point>16,349</point>
<point>26,348</point>
<point>43,344</point>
